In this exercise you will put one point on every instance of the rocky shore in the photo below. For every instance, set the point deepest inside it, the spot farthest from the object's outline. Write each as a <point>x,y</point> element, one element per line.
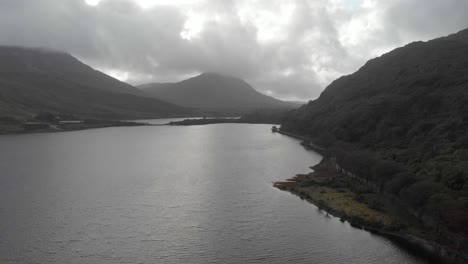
<point>334,193</point>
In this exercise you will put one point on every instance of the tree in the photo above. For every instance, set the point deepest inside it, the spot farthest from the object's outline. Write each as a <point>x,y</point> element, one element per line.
<point>384,171</point>
<point>46,117</point>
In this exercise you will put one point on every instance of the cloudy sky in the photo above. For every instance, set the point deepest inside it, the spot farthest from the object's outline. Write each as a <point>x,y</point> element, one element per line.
<point>291,49</point>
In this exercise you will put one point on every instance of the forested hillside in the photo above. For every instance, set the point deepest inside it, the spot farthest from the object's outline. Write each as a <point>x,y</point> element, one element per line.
<point>401,123</point>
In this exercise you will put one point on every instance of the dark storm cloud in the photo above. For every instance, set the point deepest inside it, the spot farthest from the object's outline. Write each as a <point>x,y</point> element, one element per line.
<point>287,48</point>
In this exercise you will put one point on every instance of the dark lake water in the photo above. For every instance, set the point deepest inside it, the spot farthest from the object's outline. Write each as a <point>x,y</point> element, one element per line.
<point>199,194</point>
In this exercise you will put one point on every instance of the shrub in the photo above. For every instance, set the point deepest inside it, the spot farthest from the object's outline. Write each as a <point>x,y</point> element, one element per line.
<point>401,180</point>
<point>418,193</point>
<point>9,120</point>
<point>46,117</point>
<point>375,204</point>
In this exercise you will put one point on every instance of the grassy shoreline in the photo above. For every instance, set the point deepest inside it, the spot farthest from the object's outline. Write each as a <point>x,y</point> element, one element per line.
<point>319,188</point>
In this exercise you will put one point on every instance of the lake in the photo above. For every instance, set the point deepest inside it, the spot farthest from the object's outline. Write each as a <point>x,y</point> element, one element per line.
<point>198,194</point>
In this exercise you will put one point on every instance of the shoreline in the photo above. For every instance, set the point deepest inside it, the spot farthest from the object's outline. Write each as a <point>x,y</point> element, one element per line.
<point>424,248</point>
<point>341,202</point>
<point>20,130</point>
<point>209,121</point>
<point>44,127</point>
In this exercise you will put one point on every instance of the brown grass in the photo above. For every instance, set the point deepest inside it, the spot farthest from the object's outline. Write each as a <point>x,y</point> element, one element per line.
<point>341,201</point>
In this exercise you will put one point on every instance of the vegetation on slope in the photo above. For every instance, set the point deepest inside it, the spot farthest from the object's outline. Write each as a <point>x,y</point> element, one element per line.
<point>33,80</point>
<point>400,123</point>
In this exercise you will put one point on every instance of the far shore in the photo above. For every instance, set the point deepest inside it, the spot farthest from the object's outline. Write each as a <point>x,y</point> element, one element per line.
<point>208,121</point>
<point>46,127</point>
<point>29,127</point>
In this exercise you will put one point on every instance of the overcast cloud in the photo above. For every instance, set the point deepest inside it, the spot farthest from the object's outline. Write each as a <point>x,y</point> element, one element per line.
<point>290,49</point>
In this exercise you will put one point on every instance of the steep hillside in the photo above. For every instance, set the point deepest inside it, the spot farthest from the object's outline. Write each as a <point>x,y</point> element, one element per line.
<point>60,64</point>
<point>34,80</point>
<point>410,108</point>
<point>410,96</point>
<point>211,91</point>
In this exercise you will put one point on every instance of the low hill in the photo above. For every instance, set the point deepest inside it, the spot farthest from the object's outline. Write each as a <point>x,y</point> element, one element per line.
<point>34,80</point>
<point>409,108</point>
<point>215,92</point>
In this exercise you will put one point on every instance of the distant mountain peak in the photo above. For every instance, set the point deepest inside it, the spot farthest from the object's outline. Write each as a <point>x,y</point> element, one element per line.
<point>211,90</point>
<point>216,75</point>
<point>212,74</point>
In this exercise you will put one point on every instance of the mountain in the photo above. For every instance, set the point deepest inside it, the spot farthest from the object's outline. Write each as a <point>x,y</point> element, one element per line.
<point>34,80</point>
<point>408,107</point>
<point>413,95</point>
<point>214,92</point>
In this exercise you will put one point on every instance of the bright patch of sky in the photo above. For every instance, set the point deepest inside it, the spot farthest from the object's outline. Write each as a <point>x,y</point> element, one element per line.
<point>117,74</point>
<point>271,21</point>
<point>193,25</point>
<point>151,3</point>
